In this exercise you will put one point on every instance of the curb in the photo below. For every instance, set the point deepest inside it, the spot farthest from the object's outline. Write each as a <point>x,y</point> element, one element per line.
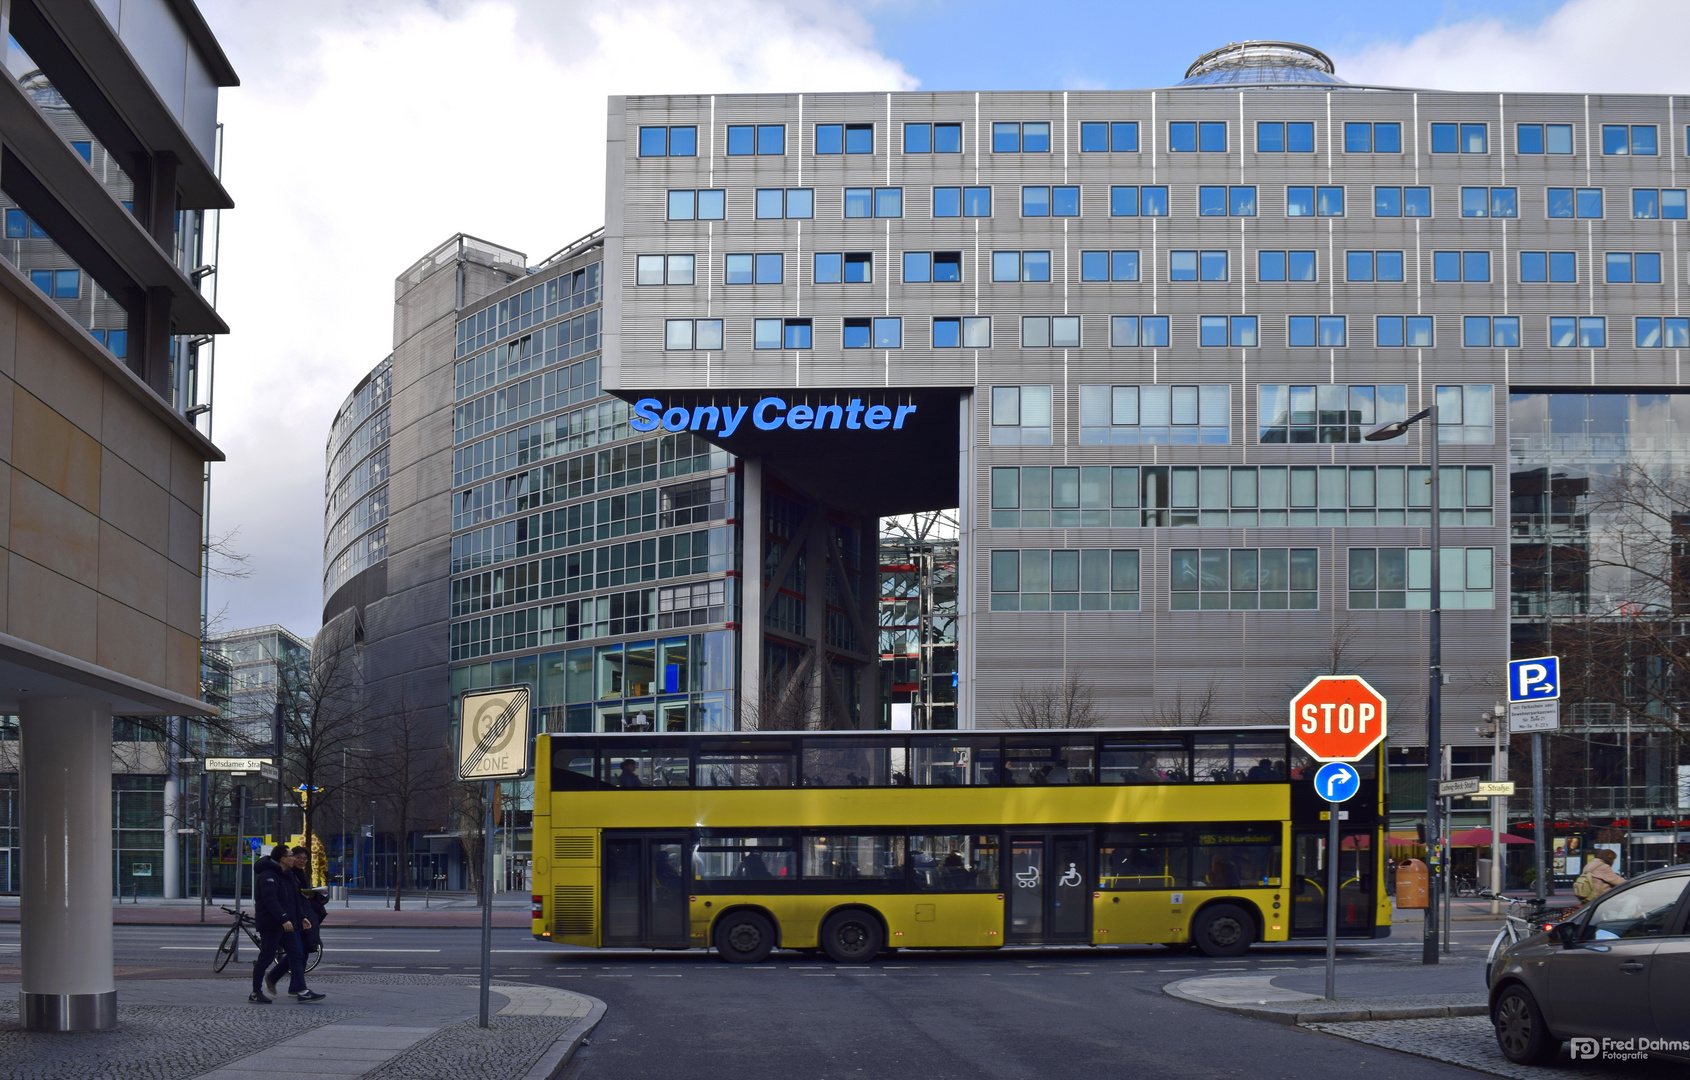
<point>1331,1015</point>
<point>557,1057</point>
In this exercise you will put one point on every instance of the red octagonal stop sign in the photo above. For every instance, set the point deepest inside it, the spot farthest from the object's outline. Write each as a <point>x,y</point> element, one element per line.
<point>1338,718</point>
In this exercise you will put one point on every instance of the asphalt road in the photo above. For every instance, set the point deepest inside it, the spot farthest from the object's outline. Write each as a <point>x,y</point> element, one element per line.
<point>1072,1012</point>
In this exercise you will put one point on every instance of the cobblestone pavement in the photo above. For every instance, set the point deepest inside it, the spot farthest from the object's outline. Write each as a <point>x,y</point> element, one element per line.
<point>1470,1041</point>
<point>151,1042</point>
<point>509,1047</point>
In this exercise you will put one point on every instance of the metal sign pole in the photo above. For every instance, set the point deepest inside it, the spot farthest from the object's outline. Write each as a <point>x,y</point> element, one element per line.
<point>487,901</point>
<point>1539,841</point>
<point>1332,903</point>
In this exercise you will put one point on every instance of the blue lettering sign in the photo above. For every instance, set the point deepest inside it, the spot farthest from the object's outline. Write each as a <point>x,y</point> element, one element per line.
<point>769,414</point>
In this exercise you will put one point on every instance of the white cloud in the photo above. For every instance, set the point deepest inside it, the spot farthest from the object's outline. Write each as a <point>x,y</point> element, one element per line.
<point>1586,46</point>
<point>366,133</point>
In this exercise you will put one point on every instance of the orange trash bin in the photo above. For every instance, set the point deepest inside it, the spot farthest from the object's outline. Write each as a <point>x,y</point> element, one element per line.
<point>1412,887</point>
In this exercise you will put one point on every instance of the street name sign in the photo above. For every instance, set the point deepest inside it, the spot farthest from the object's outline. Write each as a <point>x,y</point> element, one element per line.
<point>1466,786</point>
<point>1537,679</point>
<point>1338,718</point>
<point>1539,715</point>
<point>493,740</point>
<point>235,764</point>
<point>1489,788</point>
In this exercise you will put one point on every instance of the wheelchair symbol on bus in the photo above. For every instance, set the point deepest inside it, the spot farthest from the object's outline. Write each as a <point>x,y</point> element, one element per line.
<point>1072,879</point>
<point>1028,878</point>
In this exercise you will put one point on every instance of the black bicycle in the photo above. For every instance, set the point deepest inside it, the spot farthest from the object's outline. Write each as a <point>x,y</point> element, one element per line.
<point>246,924</point>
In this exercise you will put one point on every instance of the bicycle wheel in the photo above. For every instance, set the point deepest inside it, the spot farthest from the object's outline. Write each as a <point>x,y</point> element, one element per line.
<point>226,949</point>
<point>314,958</point>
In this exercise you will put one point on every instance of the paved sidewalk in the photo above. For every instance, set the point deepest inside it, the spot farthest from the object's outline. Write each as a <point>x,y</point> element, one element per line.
<point>1455,987</point>
<point>382,1027</point>
<point>510,911</point>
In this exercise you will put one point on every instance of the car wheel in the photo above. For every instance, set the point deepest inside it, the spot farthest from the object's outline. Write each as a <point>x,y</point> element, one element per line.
<point>1223,930</point>
<point>851,937</point>
<point>744,937</point>
<point>1521,1034</point>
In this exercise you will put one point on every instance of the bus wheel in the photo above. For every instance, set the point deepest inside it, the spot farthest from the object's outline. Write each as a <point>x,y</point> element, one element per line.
<point>851,937</point>
<point>1223,930</point>
<point>744,937</point>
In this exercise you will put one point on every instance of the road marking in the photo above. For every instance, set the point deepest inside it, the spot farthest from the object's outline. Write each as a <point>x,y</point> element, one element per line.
<point>542,952</point>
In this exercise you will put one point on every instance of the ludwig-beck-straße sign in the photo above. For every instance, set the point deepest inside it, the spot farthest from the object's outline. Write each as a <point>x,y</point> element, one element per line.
<point>1338,718</point>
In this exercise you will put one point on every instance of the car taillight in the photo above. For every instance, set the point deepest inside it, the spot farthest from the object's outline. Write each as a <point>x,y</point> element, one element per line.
<point>537,907</point>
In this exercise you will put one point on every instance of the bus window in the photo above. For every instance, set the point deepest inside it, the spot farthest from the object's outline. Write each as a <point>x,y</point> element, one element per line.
<point>854,857</point>
<point>623,766</point>
<point>745,763</point>
<point>946,863</point>
<point>1048,761</point>
<point>949,761</point>
<point>850,763</point>
<point>744,858</point>
<point>1236,855</point>
<point>1242,756</point>
<point>572,768</point>
<point>1142,762</point>
<point>1142,859</point>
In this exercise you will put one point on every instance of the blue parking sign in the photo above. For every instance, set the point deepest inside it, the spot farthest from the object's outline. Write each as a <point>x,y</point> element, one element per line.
<point>1537,679</point>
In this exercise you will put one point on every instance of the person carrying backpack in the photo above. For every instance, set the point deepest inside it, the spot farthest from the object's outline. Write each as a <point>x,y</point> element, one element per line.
<point>1599,876</point>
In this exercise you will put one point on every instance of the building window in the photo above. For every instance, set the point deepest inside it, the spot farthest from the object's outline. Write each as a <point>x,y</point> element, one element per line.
<point>1197,265</point>
<point>1543,139</point>
<point>1624,267</point>
<point>964,332</point>
<point>1316,331</point>
<point>1403,332</point>
<point>668,142</point>
<point>1027,138</point>
<point>1629,139</point>
<point>745,139</point>
<point>1050,202</point>
<point>1466,414</point>
<point>1226,201</point>
<point>1243,579</point>
<point>932,138</point>
<point>1238,331</point>
<point>767,269</point>
<point>1325,414</point>
<point>781,334</point>
<point>663,270</point>
<point>708,204</point>
<point>20,225</point>
<point>845,138</point>
<point>1120,137</point>
<point>1501,202</point>
<point>1020,266</point>
<point>930,266</point>
<point>1050,331</point>
<point>1186,137</point>
<point>701,334</point>
<point>1134,201</point>
<point>1274,137</point>
<point>1402,202</point>
<point>1132,331</point>
<point>60,284</point>
<point>1548,266</point>
<point>886,202</point>
<point>786,202</point>
<point>880,332</point>
<point>1020,416</point>
<point>848,267</point>
<point>1657,203</point>
<point>1401,578</point>
<point>1582,332</point>
<point>1084,580</point>
<point>962,202</point>
<point>1373,265</point>
<point>1490,332</point>
<point>1285,266</point>
<point>1460,266</point>
<point>1460,139</point>
<point>1314,202</point>
<point>1365,138</point>
<point>1156,415</point>
<point>1574,202</point>
<point>1108,266</point>
<point>1656,333</point>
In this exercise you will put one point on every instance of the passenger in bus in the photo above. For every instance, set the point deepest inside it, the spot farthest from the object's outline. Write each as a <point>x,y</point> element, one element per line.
<point>767,777</point>
<point>1147,773</point>
<point>630,777</point>
<point>1058,773</point>
<point>953,873</point>
<point>1222,874</point>
<point>1262,770</point>
<point>751,865</point>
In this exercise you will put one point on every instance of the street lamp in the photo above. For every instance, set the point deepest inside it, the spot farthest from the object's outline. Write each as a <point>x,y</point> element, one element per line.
<point>1434,689</point>
<point>1491,725</point>
<point>346,890</point>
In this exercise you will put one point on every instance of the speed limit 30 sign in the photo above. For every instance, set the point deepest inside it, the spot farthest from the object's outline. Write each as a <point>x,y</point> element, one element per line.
<point>1338,718</point>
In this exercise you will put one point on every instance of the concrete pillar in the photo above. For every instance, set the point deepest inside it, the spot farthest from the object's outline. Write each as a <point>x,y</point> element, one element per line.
<point>751,594</point>
<point>65,903</point>
<point>172,839</point>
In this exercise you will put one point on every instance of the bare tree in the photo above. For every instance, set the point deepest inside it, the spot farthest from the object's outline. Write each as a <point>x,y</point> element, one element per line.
<point>1194,709</point>
<point>810,700</point>
<point>413,767</point>
<point>1070,702</point>
<point>322,720</point>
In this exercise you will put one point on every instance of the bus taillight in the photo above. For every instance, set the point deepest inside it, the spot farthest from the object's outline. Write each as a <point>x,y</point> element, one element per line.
<point>537,908</point>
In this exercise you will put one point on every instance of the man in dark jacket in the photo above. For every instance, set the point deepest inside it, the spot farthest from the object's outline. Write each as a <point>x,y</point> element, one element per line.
<point>312,908</point>
<point>280,917</point>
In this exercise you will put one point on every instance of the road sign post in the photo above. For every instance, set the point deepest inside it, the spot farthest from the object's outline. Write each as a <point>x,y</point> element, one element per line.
<point>1335,782</point>
<point>1534,686</point>
<point>493,745</point>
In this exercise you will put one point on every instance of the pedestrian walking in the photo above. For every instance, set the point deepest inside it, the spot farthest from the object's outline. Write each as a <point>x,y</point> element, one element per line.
<point>281,919</point>
<point>312,907</point>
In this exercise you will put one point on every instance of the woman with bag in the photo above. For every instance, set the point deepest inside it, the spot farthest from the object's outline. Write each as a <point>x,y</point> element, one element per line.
<point>1599,876</point>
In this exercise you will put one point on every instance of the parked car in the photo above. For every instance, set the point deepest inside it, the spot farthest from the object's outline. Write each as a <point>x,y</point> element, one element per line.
<point>1618,969</point>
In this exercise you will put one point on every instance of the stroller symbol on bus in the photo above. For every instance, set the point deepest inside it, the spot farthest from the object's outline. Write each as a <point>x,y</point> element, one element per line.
<point>1028,878</point>
<point>1072,879</point>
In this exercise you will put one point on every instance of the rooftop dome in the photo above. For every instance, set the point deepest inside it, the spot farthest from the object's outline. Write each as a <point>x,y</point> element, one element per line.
<point>1262,63</point>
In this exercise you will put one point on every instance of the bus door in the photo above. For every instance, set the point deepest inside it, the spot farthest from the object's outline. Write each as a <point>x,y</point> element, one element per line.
<point>1357,882</point>
<point>645,892</point>
<point>1049,887</point>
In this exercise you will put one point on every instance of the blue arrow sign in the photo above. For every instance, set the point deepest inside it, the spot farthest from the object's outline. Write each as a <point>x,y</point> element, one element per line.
<point>1337,782</point>
<point>1537,679</point>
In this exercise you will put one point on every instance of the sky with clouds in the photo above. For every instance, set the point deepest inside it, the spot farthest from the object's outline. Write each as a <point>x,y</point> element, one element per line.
<point>365,132</point>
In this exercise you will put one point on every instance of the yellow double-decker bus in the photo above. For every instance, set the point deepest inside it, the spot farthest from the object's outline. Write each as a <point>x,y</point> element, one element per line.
<point>852,843</point>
